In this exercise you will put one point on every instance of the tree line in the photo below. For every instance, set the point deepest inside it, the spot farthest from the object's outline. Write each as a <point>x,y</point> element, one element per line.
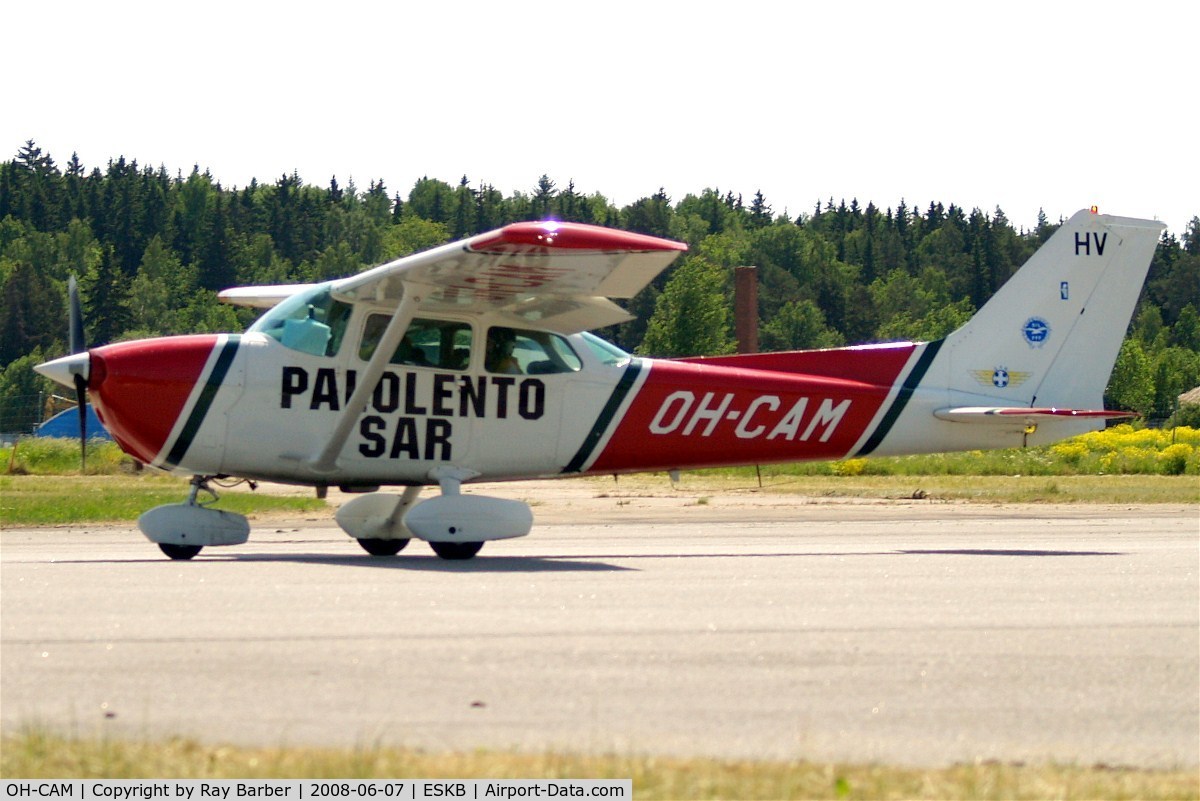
<point>152,248</point>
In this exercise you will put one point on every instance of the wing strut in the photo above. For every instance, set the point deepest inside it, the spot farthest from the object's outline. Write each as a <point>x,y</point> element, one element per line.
<point>326,460</point>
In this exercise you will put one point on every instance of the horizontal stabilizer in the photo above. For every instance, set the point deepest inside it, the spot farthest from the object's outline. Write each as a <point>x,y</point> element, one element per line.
<point>1004,414</point>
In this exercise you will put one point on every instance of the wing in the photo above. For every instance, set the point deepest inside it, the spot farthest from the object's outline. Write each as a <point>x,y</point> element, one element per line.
<point>554,275</point>
<point>261,297</point>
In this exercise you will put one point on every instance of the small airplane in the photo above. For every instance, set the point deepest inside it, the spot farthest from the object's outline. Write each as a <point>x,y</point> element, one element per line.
<point>472,362</point>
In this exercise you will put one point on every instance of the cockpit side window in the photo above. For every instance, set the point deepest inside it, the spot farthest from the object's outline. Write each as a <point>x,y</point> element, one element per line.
<point>312,322</point>
<point>445,344</point>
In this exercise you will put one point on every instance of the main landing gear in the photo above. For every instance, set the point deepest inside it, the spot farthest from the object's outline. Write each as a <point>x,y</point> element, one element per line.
<point>446,550</point>
<point>455,525</point>
<point>456,550</point>
<point>377,547</point>
<point>382,516</point>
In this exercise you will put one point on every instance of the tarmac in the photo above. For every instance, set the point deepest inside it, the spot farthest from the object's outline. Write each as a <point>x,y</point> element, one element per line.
<point>907,633</point>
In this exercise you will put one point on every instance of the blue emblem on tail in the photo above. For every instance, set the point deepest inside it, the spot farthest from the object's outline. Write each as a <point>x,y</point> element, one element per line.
<point>1036,331</point>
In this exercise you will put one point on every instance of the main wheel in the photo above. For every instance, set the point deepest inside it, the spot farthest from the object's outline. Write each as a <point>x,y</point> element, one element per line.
<point>383,547</point>
<point>456,550</point>
<point>179,551</point>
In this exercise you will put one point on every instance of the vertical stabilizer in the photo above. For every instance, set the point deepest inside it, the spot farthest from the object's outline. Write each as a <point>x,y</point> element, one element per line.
<point>1051,334</point>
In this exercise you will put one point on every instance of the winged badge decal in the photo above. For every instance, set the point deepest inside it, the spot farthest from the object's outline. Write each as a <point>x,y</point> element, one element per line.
<point>1000,377</point>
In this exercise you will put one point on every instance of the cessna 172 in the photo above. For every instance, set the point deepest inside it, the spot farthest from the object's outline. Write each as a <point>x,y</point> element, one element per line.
<point>471,362</point>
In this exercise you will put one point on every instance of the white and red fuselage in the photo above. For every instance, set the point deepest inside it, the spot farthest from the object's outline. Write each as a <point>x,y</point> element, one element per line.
<point>246,405</point>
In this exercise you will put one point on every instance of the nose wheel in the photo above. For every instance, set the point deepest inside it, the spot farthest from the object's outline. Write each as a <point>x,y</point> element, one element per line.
<point>179,551</point>
<point>377,547</point>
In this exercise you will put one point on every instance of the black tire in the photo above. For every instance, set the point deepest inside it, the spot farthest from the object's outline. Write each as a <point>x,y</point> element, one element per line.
<point>456,550</point>
<point>383,547</point>
<point>179,551</point>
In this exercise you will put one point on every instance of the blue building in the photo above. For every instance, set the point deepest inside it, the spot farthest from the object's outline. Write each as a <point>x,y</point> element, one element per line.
<point>66,424</point>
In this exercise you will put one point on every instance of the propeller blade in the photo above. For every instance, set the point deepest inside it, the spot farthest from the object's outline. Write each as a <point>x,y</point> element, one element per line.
<point>81,393</point>
<point>77,342</point>
<point>78,345</point>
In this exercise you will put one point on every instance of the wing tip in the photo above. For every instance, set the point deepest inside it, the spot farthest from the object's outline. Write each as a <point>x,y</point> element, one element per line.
<point>523,237</point>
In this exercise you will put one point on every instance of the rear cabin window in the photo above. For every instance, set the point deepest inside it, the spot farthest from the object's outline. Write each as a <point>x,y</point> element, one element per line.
<point>443,344</point>
<point>519,352</point>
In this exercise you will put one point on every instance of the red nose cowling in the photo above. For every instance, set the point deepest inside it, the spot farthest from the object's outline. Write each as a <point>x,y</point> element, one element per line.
<point>140,389</point>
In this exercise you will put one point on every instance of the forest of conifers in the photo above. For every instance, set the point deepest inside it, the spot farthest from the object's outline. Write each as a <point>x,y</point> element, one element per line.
<point>151,249</point>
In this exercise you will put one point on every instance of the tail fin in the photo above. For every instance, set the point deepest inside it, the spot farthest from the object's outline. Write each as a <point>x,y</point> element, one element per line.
<point>1050,336</point>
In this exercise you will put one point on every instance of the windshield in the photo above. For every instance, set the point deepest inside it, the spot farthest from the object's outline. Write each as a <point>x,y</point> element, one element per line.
<point>310,322</point>
<point>605,351</point>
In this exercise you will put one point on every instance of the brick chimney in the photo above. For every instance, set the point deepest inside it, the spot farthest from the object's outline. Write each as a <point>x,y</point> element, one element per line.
<point>745,308</point>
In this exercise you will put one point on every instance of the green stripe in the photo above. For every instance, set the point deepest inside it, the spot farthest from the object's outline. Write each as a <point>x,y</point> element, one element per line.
<point>204,402</point>
<point>901,399</point>
<point>606,416</point>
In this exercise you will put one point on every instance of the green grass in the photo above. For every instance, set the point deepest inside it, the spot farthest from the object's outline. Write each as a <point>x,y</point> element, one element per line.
<point>42,486</point>
<point>1121,450</point>
<point>35,754</point>
<point>49,456</point>
<point>57,500</point>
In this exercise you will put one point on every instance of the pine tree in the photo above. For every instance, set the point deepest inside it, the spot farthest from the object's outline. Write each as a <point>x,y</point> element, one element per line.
<point>650,215</point>
<point>217,268</point>
<point>1191,237</point>
<point>31,315</point>
<point>465,202</point>
<point>543,198</point>
<point>760,211</point>
<point>103,292</point>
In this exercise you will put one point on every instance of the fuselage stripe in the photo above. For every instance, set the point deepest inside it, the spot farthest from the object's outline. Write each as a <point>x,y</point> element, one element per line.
<point>901,400</point>
<point>628,379</point>
<point>204,401</point>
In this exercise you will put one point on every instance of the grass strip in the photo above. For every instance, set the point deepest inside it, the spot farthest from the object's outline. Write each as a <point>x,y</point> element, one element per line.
<point>58,500</point>
<point>35,754</point>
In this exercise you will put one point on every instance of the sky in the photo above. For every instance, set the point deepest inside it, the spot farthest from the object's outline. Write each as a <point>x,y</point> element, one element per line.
<point>1020,105</point>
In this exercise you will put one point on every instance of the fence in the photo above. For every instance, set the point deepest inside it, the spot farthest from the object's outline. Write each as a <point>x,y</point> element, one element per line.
<point>20,415</point>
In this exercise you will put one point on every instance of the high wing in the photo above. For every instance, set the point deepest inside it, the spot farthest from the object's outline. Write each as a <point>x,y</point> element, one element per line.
<point>553,275</point>
<point>261,297</point>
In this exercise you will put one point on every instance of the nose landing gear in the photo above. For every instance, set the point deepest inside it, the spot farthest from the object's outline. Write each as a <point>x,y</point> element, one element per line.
<point>181,530</point>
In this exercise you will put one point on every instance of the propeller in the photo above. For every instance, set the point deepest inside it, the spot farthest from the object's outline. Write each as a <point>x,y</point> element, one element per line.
<point>78,345</point>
